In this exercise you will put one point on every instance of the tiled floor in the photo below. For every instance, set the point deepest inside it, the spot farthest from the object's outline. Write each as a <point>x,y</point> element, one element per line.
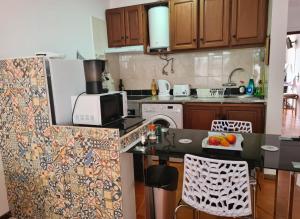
<point>291,121</point>
<point>264,206</point>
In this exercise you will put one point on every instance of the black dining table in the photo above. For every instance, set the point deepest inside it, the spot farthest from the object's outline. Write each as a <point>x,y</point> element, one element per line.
<point>168,145</point>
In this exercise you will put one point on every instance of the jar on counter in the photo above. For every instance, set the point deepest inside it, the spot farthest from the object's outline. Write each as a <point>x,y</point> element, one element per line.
<point>152,135</point>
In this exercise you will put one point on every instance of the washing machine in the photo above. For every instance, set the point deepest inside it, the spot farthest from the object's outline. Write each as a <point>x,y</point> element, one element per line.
<point>167,115</point>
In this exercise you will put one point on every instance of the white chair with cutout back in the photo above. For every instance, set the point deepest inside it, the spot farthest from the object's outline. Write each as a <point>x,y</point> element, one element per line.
<point>231,126</point>
<point>242,127</point>
<point>216,187</point>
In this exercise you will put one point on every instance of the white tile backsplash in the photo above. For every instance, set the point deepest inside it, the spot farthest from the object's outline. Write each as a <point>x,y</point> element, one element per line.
<point>208,69</point>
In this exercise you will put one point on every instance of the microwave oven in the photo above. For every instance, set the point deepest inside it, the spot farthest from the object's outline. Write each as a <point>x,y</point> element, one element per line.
<point>99,109</point>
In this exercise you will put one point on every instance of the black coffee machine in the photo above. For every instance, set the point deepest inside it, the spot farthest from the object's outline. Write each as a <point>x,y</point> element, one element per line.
<point>93,70</point>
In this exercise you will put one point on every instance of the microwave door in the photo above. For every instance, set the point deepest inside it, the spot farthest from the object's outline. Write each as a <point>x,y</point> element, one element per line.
<point>111,108</point>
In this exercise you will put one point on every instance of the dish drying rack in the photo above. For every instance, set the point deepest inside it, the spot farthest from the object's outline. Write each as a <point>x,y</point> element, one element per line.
<point>211,92</point>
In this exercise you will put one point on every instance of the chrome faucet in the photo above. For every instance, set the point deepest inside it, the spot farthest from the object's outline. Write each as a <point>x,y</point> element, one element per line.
<point>230,83</point>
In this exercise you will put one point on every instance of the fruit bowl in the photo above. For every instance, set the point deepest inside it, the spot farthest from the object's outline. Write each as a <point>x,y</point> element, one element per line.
<point>225,141</point>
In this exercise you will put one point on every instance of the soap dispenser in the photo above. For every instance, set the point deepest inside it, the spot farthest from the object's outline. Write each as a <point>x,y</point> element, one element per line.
<point>250,87</point>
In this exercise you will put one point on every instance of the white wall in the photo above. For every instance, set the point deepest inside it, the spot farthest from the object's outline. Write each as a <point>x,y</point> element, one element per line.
<point>293,58</point>
<point>61,26</point>
<point>123,3</point>
<point>276,67</point>
<point>294,16</point>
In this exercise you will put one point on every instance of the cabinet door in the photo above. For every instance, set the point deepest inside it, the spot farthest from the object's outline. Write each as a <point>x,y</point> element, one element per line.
<point>115,22</point>
<point>134,25</point>
<point>214,23</point>
<point>254,113</point>
<point>200,116</point>
<point>183,24</point>
<point>248,24</point>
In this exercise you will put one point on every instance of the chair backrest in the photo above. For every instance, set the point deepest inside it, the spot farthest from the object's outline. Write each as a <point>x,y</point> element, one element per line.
<point>294,85</point>
<point>231,126</point>
<point>217,187</point>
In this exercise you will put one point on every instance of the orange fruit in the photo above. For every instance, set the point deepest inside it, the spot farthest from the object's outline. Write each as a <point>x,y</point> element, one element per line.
<point>231,138</point>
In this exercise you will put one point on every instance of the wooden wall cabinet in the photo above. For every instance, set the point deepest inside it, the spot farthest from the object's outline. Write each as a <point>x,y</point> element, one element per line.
<point>248,22</point>
<point>200,115</point>
<point>214,23</point>
<point>125,26</point>
<point>115,22</point>
<point>194,24</point>
<point>221,23</point>
<point>183,24</point>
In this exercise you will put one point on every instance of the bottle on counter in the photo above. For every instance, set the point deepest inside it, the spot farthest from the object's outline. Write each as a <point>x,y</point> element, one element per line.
<point>153,87</point>
<point>250,87</point>
<point>259,90</point>
<point>121,85</point>
<point>151,133</point>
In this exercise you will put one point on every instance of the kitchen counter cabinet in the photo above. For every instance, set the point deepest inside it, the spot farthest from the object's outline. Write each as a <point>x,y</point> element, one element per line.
<point>254,113</point>
<point>200,115</point>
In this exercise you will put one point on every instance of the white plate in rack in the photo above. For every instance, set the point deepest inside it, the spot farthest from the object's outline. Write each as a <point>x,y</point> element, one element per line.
<point>235,147</point>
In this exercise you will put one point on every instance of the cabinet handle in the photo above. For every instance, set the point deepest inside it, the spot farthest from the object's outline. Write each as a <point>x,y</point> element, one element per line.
<point>126,37</point>
<point>122,37</point>
<point>201,39</point>
<point>194,40</point>
<point>234,36</point>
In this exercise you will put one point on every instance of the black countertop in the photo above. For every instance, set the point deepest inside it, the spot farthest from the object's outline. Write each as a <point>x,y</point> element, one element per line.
<point>126,125</point>
<point>168,146</point>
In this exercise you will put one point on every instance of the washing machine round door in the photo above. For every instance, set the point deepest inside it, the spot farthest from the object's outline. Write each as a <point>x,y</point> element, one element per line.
<point>164,121</point>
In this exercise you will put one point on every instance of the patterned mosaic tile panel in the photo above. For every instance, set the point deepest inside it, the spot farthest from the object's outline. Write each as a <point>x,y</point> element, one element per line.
<point>133,136</point>
<point>53,171</point>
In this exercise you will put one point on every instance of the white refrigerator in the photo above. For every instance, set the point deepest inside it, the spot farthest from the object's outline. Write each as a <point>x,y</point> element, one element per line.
<point>65,79</point>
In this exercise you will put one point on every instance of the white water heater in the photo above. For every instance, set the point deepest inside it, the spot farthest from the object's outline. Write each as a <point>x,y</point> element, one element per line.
<point>159,27</point>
